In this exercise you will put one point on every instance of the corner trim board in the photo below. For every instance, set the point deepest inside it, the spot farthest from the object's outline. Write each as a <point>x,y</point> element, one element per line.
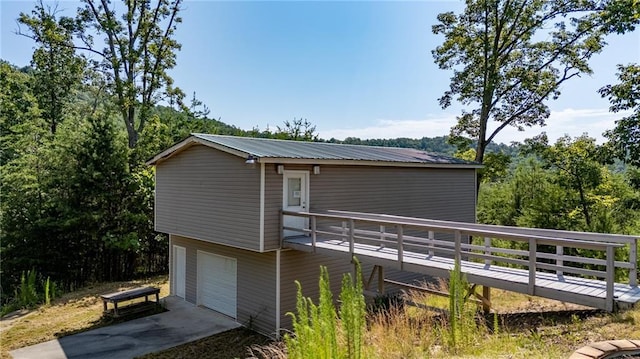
<point>262,192</point>
<point>278,294</point>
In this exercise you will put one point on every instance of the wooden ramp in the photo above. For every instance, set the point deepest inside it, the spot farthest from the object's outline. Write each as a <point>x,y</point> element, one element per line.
<point>547,268</point>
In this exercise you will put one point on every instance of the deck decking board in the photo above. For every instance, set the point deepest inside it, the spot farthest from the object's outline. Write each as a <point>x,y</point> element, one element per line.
<point>584,291</point>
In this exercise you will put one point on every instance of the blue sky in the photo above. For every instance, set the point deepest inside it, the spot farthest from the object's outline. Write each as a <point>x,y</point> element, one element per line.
<point>361,69</point>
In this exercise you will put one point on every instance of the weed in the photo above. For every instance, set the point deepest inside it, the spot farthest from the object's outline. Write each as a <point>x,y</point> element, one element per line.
<point>26,293</point>
<point>315,327</point>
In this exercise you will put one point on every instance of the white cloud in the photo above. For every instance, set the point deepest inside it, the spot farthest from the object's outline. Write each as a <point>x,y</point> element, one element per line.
<point>432,126</point>
<point>573,122</point>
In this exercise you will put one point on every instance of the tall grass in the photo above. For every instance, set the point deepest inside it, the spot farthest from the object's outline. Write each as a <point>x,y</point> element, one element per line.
<point>453,329</point>
<point>463,326</point>
<point>317,332</point>
<point>26,293</point>
<point>30,293</point>
<point>353,313</point>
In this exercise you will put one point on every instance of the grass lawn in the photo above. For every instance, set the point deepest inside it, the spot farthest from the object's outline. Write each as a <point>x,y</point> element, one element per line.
<point>529,327</point>
<point>71,313</point>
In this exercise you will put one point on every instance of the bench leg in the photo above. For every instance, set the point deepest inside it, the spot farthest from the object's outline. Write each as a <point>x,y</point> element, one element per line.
<point>104,304</point>
<point>146,298</point>
<point>115,309</point>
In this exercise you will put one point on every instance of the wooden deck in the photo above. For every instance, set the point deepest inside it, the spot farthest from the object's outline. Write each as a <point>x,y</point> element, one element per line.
<point>547,268</point>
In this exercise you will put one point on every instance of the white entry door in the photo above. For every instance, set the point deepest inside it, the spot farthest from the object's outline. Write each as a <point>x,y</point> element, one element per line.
<point>295,198</point>
<point>217,283</point>
<point>179,271</point>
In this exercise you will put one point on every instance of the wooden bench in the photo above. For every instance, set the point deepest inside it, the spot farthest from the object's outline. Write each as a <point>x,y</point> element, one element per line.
<point>131,294</point>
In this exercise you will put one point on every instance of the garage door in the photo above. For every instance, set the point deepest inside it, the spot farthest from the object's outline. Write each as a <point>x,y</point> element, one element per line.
<point>217,284</point>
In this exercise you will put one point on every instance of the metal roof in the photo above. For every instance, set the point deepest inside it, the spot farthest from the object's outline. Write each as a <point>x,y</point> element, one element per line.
<point>271,151</point>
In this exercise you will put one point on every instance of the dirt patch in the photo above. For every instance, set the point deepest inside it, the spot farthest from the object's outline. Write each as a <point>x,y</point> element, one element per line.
<point>234,343</point>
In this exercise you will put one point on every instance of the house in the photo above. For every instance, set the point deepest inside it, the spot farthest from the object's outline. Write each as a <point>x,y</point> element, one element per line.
<point>220,199</point>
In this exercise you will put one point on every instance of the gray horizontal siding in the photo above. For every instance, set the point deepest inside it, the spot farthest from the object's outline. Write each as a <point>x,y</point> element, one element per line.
<point>446,194</point>
<point>305,268</point>
<point>272,207</point>
<point>256,281</point>
<point>209,195</point>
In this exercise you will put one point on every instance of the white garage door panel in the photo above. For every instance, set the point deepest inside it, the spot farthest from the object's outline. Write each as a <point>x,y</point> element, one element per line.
<point>217,283</point>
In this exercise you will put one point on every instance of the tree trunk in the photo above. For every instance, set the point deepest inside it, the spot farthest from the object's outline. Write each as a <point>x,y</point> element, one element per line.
<point>585,206</point>
<point>479,158</point>
<point>131,130</point>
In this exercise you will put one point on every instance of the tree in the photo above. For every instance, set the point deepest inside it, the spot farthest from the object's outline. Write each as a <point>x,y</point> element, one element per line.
<point>57,70</point>
<point>19,108</point>
<point>505,70</point>
<point>139,50</point>
<point>496,164</point>
<point>298,130</point>
<point>578,162</point>
<point>625,96</point>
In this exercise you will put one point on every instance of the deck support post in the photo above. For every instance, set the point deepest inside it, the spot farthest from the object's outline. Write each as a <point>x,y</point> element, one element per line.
<point>379,272</point>
<point>486,294</point>
<point>381,280</point>
<point>367,284</point>
<point>484,299</point>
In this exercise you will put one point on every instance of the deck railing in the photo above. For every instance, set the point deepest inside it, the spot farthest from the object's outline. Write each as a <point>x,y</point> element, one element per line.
<point>452,239</point>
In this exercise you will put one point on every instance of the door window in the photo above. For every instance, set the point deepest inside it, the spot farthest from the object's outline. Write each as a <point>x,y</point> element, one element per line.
<point>294,195</point>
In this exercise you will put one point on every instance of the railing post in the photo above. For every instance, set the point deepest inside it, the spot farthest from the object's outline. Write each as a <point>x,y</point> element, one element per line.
<point>458,254</point>
<point>400,230</point>
<point>633,255</point>
<point>559,261</point>
<point>383,230</point>
<point>487,251</point>
<point>611,269</point>
<point>344,230</point>
<point>351,234</point>
<point>431,237</point>
<point>313,232</point>
<point>533,248</point>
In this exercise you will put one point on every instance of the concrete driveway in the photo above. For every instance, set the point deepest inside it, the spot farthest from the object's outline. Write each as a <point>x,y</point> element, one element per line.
<point>183,323</point>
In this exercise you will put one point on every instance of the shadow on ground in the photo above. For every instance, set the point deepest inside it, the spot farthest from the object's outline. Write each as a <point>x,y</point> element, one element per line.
<point>131,312</point>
